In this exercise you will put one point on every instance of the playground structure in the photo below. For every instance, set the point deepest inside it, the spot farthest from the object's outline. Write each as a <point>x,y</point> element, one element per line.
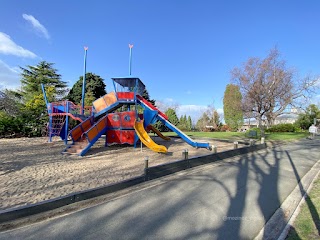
<point>59,113</point>
<point>112,115</point>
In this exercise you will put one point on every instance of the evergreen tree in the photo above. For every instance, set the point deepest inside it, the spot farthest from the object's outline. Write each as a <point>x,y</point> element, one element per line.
<point>216,120</point>
<point>172,116</point>
<point>95,88</point>
<point>146,96</point>
<point>31,115</point>
<point>33,76</point>
<point>305,120</point>
<point>233,114</point>
<point>189,124</point>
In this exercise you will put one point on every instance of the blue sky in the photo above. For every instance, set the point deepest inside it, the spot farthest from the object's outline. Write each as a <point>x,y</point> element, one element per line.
<point>183,50</point>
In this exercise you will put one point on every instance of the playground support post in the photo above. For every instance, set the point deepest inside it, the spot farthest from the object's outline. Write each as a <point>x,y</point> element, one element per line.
<point>44,95</point>
<point>130,58</point>
<point>66,124</point>
<point>84,79</point>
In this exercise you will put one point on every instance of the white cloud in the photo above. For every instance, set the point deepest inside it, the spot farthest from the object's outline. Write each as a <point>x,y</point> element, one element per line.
<point>40,29</point>
<point>9,47</point>
<point>9,76</point>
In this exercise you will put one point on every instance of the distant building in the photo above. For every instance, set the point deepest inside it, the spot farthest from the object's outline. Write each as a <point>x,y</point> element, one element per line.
<point>285,118</point>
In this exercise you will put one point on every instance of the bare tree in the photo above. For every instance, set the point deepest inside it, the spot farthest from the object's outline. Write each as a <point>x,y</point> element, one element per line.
<point>268,87</point>
<point>8,103</point>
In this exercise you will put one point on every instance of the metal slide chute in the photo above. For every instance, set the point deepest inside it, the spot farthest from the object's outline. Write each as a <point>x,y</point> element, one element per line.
<point>146,139</point>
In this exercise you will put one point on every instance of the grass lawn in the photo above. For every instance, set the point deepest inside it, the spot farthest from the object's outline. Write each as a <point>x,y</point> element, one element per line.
<point>307,224</point>
<point>241,135</point>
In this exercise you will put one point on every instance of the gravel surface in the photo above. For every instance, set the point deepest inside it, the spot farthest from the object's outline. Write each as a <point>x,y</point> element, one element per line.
<point>33,170</point>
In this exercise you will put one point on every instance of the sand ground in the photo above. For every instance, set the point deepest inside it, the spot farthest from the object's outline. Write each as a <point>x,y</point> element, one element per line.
<point>33,170</point>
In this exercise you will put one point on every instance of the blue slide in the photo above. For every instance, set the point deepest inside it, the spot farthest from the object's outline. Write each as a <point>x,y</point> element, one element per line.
<point>162,117</point>
<point>181,134</point>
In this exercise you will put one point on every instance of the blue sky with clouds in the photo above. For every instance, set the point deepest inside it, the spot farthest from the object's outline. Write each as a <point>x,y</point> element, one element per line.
<point>183,49</point>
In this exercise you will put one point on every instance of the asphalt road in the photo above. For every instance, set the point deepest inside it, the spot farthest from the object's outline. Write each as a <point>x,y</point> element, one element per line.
<point>231,199</point>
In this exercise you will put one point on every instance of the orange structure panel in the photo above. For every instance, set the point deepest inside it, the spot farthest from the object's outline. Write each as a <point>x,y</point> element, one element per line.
<point>110,98</point>
<point>76,133</point>
<point>86,124</point>
<point>101,124</point>
<point>99,104</point>
<point>92,133</point>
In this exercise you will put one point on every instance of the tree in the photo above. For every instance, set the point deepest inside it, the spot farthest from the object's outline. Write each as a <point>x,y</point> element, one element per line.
<point>172,116</point>
<point>29,112</point>
<point>216,120</point>
<point>232,107</point>
<point>8,103</point>
<point>202,122</point>
<point>305,120</point>
<point>183,122</point>
<point>33,76</point>
<point>146,96</point>
<point>189,123</point>
<point>95,87</point>
<point>268,87</point>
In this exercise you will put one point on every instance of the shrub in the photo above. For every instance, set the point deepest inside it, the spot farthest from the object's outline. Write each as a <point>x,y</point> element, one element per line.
<point>225,128</point>
<point>249,134</point>
<point>283,127</point>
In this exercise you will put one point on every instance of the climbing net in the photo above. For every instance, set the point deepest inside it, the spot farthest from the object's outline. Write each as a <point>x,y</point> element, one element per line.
<point>56,124</point>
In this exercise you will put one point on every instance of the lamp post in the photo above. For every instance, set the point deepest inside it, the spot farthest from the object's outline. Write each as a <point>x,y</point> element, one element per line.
<point>84,79</point>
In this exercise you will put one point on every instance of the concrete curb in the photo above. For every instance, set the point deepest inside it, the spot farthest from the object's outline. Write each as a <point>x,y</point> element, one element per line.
<point>151,173</point>
<point>278,225</point>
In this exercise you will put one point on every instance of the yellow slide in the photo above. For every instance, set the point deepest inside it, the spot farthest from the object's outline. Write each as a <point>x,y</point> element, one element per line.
<point>156,131</point>
<point>145,138</point>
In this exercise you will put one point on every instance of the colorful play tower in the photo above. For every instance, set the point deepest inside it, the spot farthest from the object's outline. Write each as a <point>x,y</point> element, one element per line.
<point>112,116</point>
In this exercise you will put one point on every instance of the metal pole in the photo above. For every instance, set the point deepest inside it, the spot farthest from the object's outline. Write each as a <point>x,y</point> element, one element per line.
<point>130,58</point>
<point>44,95</point>
<point>84,79</point>
<point>146,166</point>
<point>235,145</point>
<point>67,124</point>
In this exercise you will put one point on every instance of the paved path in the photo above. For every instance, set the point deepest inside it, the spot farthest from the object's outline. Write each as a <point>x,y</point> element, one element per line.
<point>228,200</point>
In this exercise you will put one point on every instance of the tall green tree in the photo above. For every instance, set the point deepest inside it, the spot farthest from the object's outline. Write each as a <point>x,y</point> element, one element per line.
<point>232,108</point>
<point>189,124</point>
<point>306,119</point>
<point>33,76</point>
<point>172,116</point>
<point>183,122</point>
<point>30,113</point>
<point>95,88</point>
<point>216,120</point>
